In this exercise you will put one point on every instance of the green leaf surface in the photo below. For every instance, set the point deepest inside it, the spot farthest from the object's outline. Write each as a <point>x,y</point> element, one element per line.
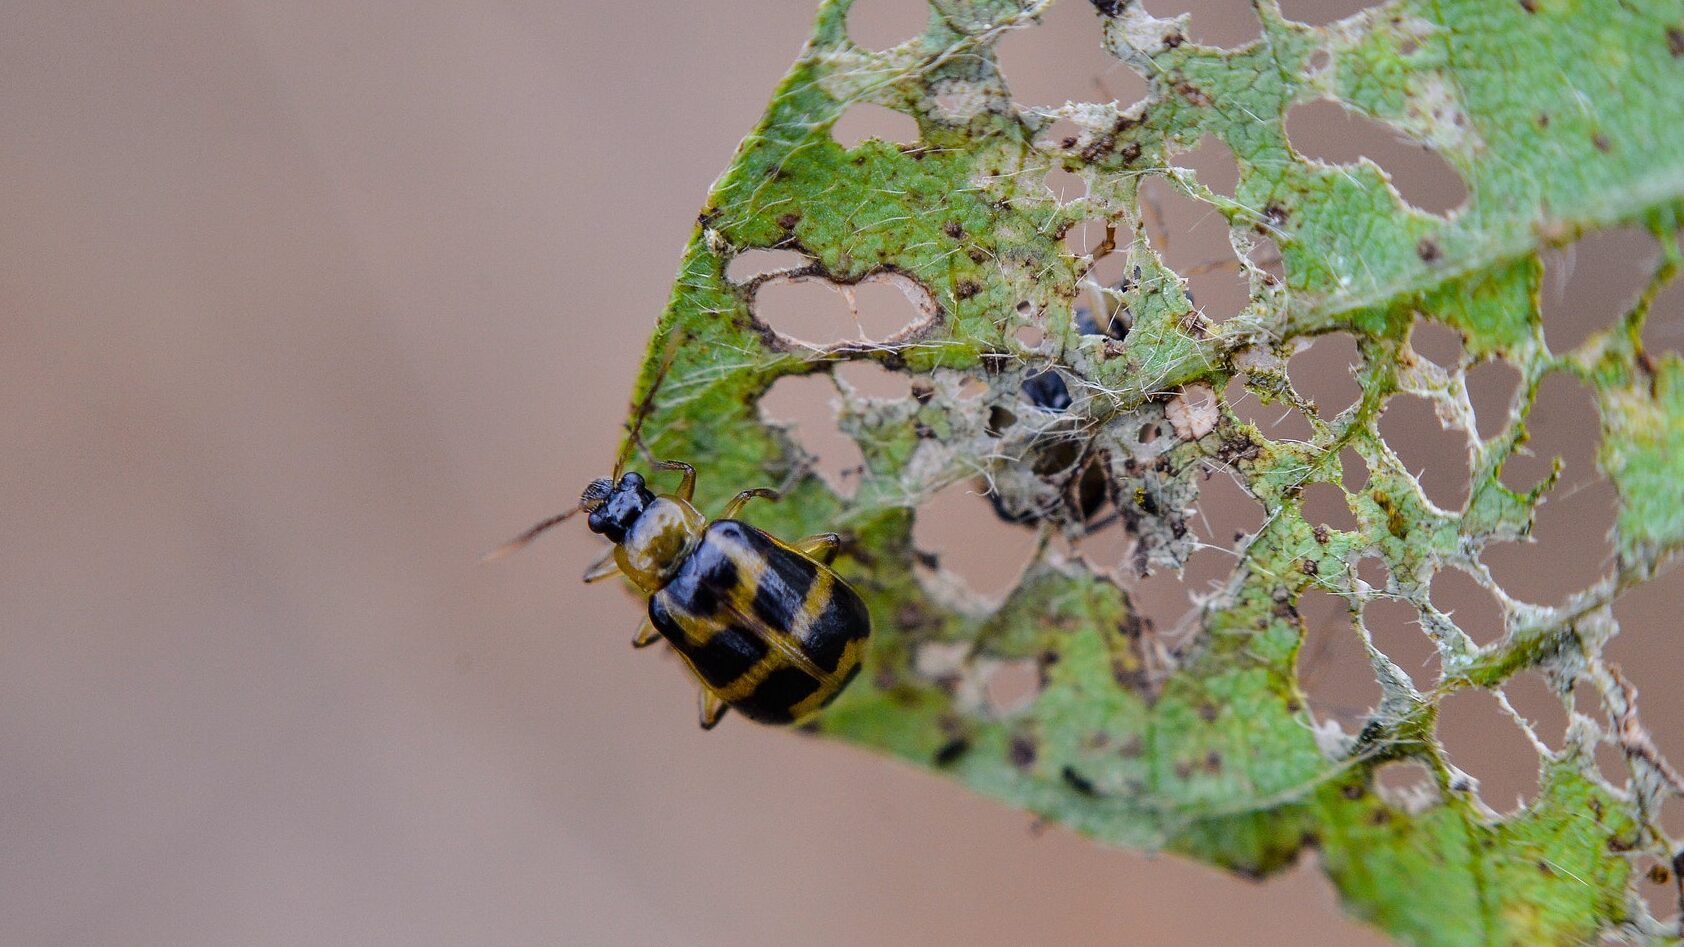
<point>1560,116</point>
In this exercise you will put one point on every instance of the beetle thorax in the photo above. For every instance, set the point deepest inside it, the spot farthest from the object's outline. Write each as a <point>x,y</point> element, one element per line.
<point>658,541</point>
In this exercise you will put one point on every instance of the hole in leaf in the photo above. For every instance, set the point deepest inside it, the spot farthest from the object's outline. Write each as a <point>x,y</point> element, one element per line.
<point>1372,571</point>
<point>1563,423</point>
<point>1225,23</point>
<point>808,402</point>
<point>1325,503</point>
<point>1484,741</point>
<point>1491,385</point>
<point>1649,650</point>
<point>1571,546</point>
<point>1333,667</point>
<point>1062,60</point>
<point>1531,697</point>
<point>1277,421</point>
<point>1324,373</point>
<point>1087,237</point>
<point>1353,470</point>
<point>1407,784</point>
<point>1436,342</point>
<point>1663,331</point>
<point>972,388</point>
<point>1657,886</point>
<point>1170,601</point>
<point>1030,337</point>
<point>1672,818</point>
<point>1470,605</point>
<point>1395,627</point>
<point>818,312</point>
<point>1435,455</point>
<point>880,24</point>
<point>864,121</point>
<point>1063,135</point>
<point>1611,763</point>
<point>1225,514</point>
<point>1066,186</point>
<point>1192,238</point>
<point>999,419</point>
<point>1329,132</point>
<point>1591,283</point>
<point>751,263</point>
<point>1011,686</point>
<point>871,380</point>
<point>1319,61</point>
<point>1320,12</point>
<point>1213,162</point>
<point>959,527</point>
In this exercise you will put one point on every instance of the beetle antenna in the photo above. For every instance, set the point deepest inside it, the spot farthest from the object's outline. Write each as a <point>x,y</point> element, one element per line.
<point>646,407</point>
<point>525,539</point>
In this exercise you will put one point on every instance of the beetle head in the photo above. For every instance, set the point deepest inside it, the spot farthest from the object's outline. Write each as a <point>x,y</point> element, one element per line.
<point>614,507</point>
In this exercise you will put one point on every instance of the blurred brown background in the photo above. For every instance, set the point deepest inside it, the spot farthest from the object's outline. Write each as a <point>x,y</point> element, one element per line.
<point>305,305</point>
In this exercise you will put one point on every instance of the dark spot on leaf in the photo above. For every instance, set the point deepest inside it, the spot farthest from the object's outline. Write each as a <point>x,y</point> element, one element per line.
<point>1353,791</point>
<point>1601,142</point>
<point>953,229</point>
<point>1193,94</point>
<point>1380,817</point>
<point>951,751</point>
<point>1309,567</point>
<point>1172,40</point>
<point>1530,6</point>
<point>1207,711</point>
<point>1658,874</point>
<point>966,289</point>
<point>1675,41</point>
<point>1078,782</point>
<point>1427,250</point>
<point>1321,533</point>
<point>1183,770</point>
<point>1022,751</point>
<point>1213,761</point>
<point>922,391</point>
<point>1543,119</point>
<point>1108,7</point>
<point>1396,523</point>
<point>788,221</point>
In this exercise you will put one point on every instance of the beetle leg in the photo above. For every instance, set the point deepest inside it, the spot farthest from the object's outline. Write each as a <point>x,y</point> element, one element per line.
<point>741,500</point>
<point>605,567</point>
<point>822,547</point>
<point>646,635</point>
<point>712,709</point>
<point>686,486</point>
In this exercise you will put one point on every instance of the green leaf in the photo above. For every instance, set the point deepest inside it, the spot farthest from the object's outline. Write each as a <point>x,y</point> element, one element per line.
<point>1560,116</point>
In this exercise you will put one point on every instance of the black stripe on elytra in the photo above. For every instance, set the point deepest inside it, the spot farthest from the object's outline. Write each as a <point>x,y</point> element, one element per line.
<point>727,655</point>
<point>706,577</point>
<point>842,618</point>
<point>775,697</point>
<point>664,623</point>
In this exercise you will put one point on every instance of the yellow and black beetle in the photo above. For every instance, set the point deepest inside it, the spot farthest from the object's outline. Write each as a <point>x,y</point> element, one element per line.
<point>767,628</point>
